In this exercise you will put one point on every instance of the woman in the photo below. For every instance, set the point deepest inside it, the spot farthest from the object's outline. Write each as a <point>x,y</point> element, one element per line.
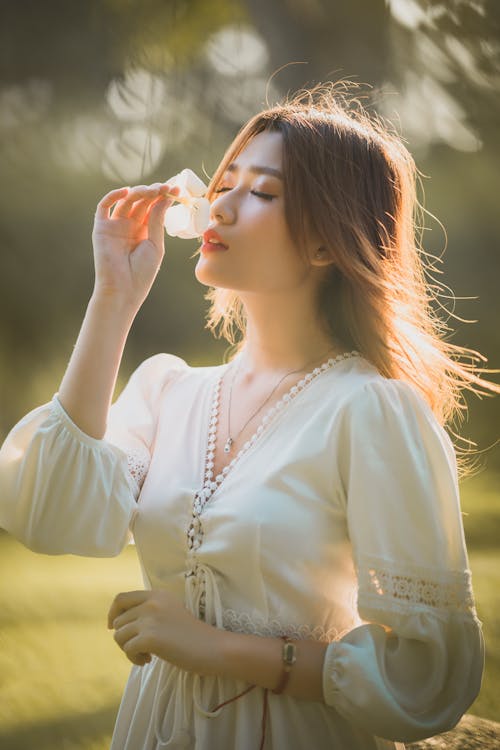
<point>298,521</point>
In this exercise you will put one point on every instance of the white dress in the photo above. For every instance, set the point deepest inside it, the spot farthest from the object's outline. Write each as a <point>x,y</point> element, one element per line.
<point>339,521</point>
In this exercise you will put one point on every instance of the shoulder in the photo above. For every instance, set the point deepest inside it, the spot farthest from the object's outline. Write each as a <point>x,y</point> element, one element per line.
<point>371,405</point>
<point>165,372</point>
<point>364,392</point>
<point>159,366</point>
<point>151,378</point>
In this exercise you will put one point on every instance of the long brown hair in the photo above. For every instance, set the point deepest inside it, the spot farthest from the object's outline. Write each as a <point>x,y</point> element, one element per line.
<point>349,177</point>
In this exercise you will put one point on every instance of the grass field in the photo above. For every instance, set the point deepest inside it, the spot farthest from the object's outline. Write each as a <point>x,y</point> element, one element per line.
<point>61,674</point>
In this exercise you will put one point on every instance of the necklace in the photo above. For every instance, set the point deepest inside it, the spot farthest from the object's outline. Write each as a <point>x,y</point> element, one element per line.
<point>230,440</point>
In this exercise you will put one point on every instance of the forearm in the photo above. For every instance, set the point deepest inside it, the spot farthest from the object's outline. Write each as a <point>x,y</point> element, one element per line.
<point>258,661</point>
<point>87,387</point>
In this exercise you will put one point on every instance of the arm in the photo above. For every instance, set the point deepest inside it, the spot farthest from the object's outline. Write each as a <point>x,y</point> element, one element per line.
<point>414,668</point>
<point>257,660</point>
<point>155,622</point>
<point>62,488</point>
<point>128,250</point>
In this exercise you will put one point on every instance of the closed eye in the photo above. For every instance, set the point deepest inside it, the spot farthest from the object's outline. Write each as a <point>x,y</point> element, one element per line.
<point>264,196</point>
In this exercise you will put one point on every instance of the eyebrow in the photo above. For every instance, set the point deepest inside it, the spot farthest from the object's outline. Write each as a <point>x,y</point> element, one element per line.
<point>233,167</point>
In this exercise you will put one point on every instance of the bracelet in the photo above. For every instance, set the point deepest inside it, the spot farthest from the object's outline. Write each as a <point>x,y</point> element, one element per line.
<point>289,659</point>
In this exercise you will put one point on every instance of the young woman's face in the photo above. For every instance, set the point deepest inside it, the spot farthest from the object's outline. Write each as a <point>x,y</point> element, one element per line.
<point>248,215</point>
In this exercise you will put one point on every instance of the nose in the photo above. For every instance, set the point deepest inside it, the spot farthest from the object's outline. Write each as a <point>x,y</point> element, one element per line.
<point>222,209</point>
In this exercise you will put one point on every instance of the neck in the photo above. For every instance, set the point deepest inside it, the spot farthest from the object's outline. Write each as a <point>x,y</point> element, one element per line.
<point>282,335</point>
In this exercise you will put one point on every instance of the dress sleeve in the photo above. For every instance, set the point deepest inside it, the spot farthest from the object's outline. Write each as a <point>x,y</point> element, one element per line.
<point>415,666</point>
<point>62,491</point>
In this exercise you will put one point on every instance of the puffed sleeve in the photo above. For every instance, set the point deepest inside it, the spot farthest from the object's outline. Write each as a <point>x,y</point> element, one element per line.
<point>62,491</point>
<point>415,667</point>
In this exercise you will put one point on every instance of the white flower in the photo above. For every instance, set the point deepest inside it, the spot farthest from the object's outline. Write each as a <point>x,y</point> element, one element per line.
<point>190,217</point>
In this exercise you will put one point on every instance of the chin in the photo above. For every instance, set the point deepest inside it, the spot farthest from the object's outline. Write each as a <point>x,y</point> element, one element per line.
<point>206,274</point>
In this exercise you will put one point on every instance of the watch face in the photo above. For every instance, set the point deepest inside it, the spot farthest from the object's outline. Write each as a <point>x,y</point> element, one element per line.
<point>289,653</point>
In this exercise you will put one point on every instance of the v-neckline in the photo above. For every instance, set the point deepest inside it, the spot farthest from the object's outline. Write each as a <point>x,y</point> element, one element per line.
<point>210,485</point>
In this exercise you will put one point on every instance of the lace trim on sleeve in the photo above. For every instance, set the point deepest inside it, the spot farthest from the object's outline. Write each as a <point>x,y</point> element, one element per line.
<point>389,585</point>
<point>242,622</point>
<point>138,460</point>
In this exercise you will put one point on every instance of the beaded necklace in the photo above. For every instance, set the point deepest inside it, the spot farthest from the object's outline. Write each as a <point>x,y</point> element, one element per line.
<point>230,440</point>
<point>210,485</point>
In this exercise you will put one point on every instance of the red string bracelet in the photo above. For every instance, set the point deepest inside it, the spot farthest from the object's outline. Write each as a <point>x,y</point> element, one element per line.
<point>289,659</point>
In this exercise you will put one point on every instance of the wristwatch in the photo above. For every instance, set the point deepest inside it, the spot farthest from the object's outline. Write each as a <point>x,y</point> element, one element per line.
<point>289,654</point>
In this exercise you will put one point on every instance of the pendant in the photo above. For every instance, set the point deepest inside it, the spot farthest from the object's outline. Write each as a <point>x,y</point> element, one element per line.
<point>228,444</point>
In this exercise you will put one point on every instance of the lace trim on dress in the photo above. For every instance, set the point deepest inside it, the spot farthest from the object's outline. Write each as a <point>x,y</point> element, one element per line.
<point>138,460</point>
<point>387,584</point>
<point>242,622</point>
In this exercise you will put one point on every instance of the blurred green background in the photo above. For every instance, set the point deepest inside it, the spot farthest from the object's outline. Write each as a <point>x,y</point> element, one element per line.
<point>101,93</point>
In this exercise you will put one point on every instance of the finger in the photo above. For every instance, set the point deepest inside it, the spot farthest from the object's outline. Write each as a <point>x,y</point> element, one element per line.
<point>155,220</point>
<point>124,638</point>
<point>125,633</point>
<point>136,649</point>
<point>141,659</point>
<point>124,601</point>
<point>140,209</point>
<point>109,200</point>
<point>126,617</point>
<point>141,192</point>
<point>165,188</point>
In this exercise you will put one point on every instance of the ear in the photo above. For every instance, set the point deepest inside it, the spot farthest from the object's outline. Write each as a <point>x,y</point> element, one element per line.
<point>321,257</point>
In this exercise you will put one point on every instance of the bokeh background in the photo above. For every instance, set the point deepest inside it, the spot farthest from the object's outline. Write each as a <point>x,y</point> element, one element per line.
<point>101,93</point>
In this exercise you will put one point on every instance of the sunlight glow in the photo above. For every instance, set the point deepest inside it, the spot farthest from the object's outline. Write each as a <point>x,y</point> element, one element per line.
<point>234,51</point>
<point>137,96</point>
<point>132,154</point>
<point>408,13</point>
<point>429,114</point>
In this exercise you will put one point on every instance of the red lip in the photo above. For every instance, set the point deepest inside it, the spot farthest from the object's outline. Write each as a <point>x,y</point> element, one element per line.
<point>211,234</point>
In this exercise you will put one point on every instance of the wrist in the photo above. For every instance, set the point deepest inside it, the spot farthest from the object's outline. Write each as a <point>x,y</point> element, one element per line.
<point>109,302</point>
<point>251,658</point>
<point>258,660</point>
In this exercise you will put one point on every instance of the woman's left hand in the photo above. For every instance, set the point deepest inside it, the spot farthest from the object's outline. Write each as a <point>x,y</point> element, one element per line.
<point>156,622</point>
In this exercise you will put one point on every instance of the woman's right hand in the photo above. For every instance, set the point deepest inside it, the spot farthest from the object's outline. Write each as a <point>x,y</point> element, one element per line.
<point>128,240</point>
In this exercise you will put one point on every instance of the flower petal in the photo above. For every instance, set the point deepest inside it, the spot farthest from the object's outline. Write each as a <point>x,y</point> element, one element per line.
<point>188,181</point>
<point>177,219</point>
<point>188,221</point>
<point>201,215</point>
